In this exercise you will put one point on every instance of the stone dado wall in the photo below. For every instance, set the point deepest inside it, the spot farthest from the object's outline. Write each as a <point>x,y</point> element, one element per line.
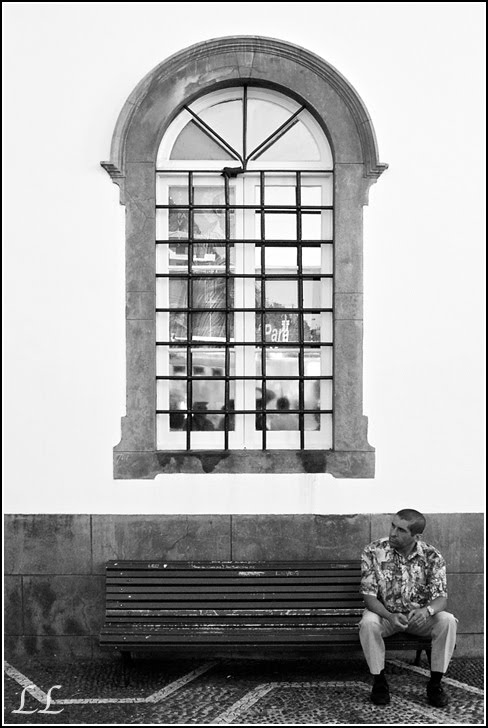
<point>54,564</point>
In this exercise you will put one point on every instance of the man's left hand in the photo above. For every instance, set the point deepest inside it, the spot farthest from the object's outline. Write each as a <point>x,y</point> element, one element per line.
<point>418,617</point>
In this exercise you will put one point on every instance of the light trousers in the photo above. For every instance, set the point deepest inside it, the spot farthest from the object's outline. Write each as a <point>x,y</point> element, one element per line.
<point>441,628</point>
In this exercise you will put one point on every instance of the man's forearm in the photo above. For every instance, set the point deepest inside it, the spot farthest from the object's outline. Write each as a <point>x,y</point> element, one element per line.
<point>374,605</point>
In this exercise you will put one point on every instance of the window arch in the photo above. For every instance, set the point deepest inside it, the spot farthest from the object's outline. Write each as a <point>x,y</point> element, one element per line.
<point>251,359</point>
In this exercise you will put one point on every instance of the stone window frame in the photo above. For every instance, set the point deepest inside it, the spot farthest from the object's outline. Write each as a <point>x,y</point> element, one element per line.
<point>146,115</point>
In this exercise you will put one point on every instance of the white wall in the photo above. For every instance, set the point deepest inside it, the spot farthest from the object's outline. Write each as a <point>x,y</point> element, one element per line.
<point>69,69</point>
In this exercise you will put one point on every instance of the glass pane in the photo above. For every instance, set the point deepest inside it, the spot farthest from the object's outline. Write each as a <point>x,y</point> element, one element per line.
<point>281,294</point>
<point>317,327</point>
<point>323,182</point>
<point>209,224</point>
<point>279,226</point>
<point>211,258</point>
<point>279,195</point>
<point>176,221</point>
<point>311,259</point>
<point>311,293</point>
<point>325,441</point>
<point>178,257</point>
<point>278,327</point>
<point>257,258</point>
<point>225,118</point>
<point>311,195</point>
<point>213,194</point>
<point>210,325</point>
<point>211,362</point>
<point>178,330</point>
<point>177,195</point>
<point>279,362</point>
<point>295,144</point>
<point>193,143</point>
<point>280,260</point>
<point>211,293</point>
<point>177,362</point>
<point>283,421</point>
<point>282,394</point>
<point>178,291</point>
<point>263,118</point>
<point>177,402</point>
<point>317,225</point>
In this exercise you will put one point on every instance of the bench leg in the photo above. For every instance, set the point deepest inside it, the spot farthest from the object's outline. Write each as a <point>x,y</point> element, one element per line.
<point>418,655</point>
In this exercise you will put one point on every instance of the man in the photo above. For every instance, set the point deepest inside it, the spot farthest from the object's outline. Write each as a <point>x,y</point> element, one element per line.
<point>403,584</point>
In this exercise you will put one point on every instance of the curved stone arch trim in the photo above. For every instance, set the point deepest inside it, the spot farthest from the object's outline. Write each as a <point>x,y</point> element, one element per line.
<point>245,50</point>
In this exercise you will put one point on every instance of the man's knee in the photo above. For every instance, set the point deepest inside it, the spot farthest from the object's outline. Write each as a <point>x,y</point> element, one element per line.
<point>370,621</point>
<point>445,621</point>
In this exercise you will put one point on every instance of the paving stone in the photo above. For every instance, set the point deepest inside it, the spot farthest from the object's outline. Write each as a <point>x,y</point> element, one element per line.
<point>309,692</point>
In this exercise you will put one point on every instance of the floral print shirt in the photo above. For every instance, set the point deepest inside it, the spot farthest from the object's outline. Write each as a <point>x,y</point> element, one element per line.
<point>402,583</point>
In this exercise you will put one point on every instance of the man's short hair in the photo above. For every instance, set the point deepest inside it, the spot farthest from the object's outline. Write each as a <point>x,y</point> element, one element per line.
<point>416,521</point>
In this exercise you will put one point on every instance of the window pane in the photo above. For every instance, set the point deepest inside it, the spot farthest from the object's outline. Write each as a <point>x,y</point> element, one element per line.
<point>210,325</point>
<point>193,143</point>
<point>225,118</point>
<point>263,118</point>
<point>311,293</point>
<point>178,291</point>
<point>317,225</point>
<point>211,293</point>
<point>295,144</point>
<point>279,226</point>
<point>211,362</point>
<point>278,327</point>
<point>211,258</point>
<point>280,260</point>
<point>178,257</point>
<point>311,258</point>
<point>178,329</point>
<point>280,361</point>
<point>281,294</point>
<point>279,194</point>
<point>317,326</point>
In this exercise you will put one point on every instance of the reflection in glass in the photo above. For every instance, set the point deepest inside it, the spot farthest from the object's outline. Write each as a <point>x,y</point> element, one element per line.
<point>178,257</point>
<point>283,421</point>
<point>177,224</point>
<point>211,362</point>
<point>282,394</point>
<point>278,327</point>
<point>177,362</point>
<point>279,361</point>
<point>210,258</point>
<point>211,292</point>
<point>210,325</point>
<point>281,294</point>
<point>178,329</point>
<point>209,224</point>
<point>178,291</point>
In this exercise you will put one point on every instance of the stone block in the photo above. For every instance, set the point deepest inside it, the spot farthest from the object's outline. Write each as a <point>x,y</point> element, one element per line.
<point>466,602</point>
<point>140,305</point>
<point>348,306</point>
<point>49,649</point>
<point>458,536</point>
<point>12,588</point>
<point>63,605</point>
<point>307,537</point>
<point>175,538</point>
<point>47,544</point>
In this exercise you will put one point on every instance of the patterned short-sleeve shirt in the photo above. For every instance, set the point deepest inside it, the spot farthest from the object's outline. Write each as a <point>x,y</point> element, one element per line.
<point>403,583</point>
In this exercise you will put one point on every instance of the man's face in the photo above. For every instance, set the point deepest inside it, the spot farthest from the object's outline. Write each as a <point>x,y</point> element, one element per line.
<point>400,537</point>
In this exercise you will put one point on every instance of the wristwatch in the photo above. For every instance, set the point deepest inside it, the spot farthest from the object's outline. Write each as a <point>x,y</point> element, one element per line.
<point>430,610</point>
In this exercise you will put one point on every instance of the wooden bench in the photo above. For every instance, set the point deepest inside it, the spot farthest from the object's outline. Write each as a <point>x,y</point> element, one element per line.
<point>155,605</point>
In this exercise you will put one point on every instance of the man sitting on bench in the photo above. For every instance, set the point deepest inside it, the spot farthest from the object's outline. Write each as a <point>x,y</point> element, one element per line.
<point>404,587</point>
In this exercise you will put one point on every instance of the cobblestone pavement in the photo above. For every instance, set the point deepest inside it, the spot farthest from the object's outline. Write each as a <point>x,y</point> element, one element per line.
<point>239,692</point>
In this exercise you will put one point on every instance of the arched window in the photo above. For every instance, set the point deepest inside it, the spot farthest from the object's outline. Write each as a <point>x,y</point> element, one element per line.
<point>244,276</point>
<point>244,188</point>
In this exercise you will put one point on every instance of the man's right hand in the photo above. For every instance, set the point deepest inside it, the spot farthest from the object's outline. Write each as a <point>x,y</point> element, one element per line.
<point>399,621</point>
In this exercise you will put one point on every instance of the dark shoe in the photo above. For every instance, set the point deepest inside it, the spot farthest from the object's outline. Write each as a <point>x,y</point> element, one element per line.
<point>436,695</point>
<point>380,694</point>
